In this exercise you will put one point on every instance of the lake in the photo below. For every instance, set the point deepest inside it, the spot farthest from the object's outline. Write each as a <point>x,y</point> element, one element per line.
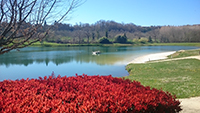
<point>34,62</point>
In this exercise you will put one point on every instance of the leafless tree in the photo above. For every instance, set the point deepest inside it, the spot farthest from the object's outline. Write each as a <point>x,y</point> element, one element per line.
<point>22,22</point>
<point>79,34</point>
<point>87,34</point>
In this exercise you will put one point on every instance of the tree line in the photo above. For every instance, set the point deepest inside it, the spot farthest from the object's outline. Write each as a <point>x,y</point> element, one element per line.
<point>113,32</point>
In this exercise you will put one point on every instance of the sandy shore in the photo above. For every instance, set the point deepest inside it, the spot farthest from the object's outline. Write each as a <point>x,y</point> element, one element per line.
<point>150,57</point>
<point>190,105</point>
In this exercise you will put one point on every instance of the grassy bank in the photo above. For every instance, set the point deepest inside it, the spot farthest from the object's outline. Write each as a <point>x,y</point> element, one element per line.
<point>49,44</point>
<point>180,77</point>
<point>175,44</point>
<point>183,53</point>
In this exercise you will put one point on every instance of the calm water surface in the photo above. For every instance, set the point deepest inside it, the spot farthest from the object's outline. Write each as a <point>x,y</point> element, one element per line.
<point>32,62</point>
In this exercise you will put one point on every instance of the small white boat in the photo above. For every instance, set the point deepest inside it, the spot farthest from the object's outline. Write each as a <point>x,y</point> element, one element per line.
<point>96,52</point>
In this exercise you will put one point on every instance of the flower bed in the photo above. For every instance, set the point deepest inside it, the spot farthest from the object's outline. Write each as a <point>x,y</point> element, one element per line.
<point>83,94</point>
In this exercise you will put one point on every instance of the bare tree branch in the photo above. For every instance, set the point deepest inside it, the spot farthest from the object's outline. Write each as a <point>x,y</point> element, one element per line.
<point>21,21</point>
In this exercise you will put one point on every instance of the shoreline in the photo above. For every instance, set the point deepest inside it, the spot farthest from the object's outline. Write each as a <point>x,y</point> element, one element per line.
<point>188,105</point>
<point>151,57</point>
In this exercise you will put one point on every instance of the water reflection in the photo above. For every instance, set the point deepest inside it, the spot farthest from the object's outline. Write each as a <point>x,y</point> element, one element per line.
<point>62,55</point>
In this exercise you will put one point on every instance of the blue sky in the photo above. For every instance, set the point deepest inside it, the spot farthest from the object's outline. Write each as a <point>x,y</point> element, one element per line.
<point>139,12</point>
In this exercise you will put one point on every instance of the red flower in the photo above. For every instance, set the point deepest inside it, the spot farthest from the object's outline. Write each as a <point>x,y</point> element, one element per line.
<point>83,94</point>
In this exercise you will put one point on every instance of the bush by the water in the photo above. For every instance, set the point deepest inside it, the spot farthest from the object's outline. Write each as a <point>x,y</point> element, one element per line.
<point>83,94</point>
<point>120,38</point>
<point>104,40</point>
<point>141,40</point>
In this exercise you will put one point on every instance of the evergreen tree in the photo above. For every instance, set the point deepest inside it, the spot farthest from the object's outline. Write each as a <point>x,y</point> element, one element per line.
<point>93,36</point>
<point>106,33</point>
<point>150,39</point>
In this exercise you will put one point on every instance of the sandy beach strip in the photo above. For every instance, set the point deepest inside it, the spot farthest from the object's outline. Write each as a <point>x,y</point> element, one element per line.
<point>190,105</point>
<point>150,57</point>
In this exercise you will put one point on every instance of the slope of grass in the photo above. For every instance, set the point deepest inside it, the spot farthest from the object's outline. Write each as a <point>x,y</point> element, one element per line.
<point>184,53</point>
<point>181,77</point>
<point>176,44</point>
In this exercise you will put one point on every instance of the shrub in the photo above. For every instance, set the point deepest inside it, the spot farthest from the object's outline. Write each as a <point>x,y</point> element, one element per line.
<point>83,94</point>
<point>140,40</point>
<point>120,38</point>
<point>135,41</point>
<point>104,40</point>
<point>143,40</point>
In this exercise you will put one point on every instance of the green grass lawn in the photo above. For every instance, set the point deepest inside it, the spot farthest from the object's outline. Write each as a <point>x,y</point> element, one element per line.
<point>181,77</point>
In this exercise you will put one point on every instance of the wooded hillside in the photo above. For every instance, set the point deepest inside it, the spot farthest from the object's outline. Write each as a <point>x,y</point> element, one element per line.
<point>86,33</point>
